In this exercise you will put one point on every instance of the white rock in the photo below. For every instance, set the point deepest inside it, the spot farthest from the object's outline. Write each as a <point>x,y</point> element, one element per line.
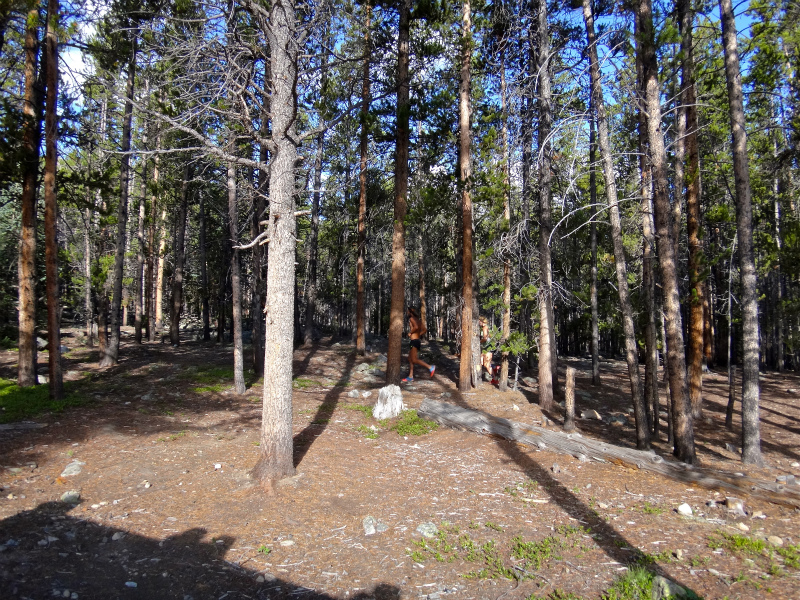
<point>287,543</point>
<point>591,414</point>
<point>389,404</point>
<point>515,407</point>
<point>775,540</point>
<point>353,394</point>
<point>130,584</point>
<point>117,536</point>
<point>369,524</point>
<point>217,466</point>
<point>428,530</point>
<point>72,468</point>
<point>743,527</point>
<point>71,497</point>
<point>366,394</point>
<point>795,464</point>
<point>685,510</point>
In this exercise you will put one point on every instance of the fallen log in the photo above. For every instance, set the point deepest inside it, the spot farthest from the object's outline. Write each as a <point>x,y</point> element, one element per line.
<point>584,449</point>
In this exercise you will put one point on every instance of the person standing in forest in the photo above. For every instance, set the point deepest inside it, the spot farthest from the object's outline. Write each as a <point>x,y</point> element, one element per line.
<point>416,330</point>
<point>486,350</point>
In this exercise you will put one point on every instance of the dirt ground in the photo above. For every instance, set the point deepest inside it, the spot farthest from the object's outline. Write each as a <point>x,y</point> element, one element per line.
<point>167,509</point>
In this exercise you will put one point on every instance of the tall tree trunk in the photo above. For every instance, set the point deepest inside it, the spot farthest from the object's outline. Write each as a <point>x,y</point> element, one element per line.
<point>153,258</point>
<point>682,415</point>
<point>651,398</point>
<point>87,266</point>
<point>631,351</point>
<point>138,284</point>
<point>260,251</point>
<point>593,242</point>
<point>506,326</point>
<point>423,300</point>
<point>313,244</point>
<point>464,175</point>
<point>751,435</point>
<point>204,292</point>
<point>111,355</point>
<point>276,456</point>
<point>56,381</point>
<point>548,373</point>
<point>236,283</point>
<point>361,343</point>
<point>694,349</point>
<point>400,195</point>
<point>31,137</point>
<point>178,257</point>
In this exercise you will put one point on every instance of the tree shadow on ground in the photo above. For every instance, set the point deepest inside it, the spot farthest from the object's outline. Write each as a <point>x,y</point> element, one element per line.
<point>48,551</point>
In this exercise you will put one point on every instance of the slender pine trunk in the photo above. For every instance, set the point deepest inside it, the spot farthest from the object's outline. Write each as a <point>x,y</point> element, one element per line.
<point>178,256</point>
<point>236,283</point>
<point>361,344</point>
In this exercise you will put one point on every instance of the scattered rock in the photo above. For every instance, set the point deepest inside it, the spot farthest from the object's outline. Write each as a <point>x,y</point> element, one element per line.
<point>286,543</point>
<point>515,407</point>
<point>369,524</point>
<point>427,530</point>
<point>556,469</point>
<point>529,381</point>
<point>678,554</point>
<point>602,505</point>
<point>353,394</point>
<point>381,360</point>
<point>71,497</point>
<point>41,344</point>
<point>130,584</point>
<point>389,404</point>
<point>362,368</point>
<point>711,504</point>
<point>758,515</point>
<point>260,579</point>
<point>664,588</point>
<point>786,479</point>
<point>591,414</point>
<point>366,394</point>
<point>791,391</point>
<point>72,468</point>
<point>685,510</point>
<point>117,536</point>
<point>795,464</point>
<point>743,527</point>
<point>775,540</point>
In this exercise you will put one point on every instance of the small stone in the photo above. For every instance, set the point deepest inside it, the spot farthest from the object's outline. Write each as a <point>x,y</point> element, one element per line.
<point>591,414</point>
<point>71,497</point>
<point>427,530</point>
<point>795,464</point>
<point>287,543</point>
<point>679,554</point>
<point>117,536</point>
<point>731,448</point>
<point>666,588</point>
<point>260,579</point>
<point>130,584</point>
<point>74,596</point>
<point>217,466</point>
<point>791,391</point>
<point>556,469</point>
<point>602,505</point>
<point>65,594</point>
<point>685,510</point>
<point>758,515</point>
<point>775,540</point>
<point>390,403</point>
<point>381,527</point>
<point>515,407</point>
<point>73,468</point>
<point>147,484</point>
<point>743,527</point>
<point>369,524</point>
<point>366,394</point>
<point>711,504</point>
<point>353,394</point>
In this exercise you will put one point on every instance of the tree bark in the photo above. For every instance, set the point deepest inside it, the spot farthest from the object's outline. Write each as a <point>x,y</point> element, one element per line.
<point>204,292</point>
<point>361,343</point>
<point>694,349</point>
<point>682,415</point>
<point>506,326</point>
<point>396,312</point>
<point>751,435</point>
<point>631,351</point>
<point>276,457</point>
<point>548,373</point>
<point>153,259</point>
<point>236,283</point>
<point>593,242</point>
<point>26,267</point>
<point>56,381</point>
<point>313,242</point>
<point>138,284</point>
<point>111,355</point>
<point>464,176</point>
<point>178,257</point>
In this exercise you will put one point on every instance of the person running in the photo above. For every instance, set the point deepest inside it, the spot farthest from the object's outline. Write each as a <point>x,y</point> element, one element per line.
<point>486,350</point>
<point>416,330</point>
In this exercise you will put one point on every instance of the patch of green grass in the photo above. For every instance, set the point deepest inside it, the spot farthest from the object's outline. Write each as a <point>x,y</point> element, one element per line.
<point>409,423</point>
<point>216,387</point>
<point>262,549</point>
<point>368,432</point>
<point>536,553</point>
<point>556,594</point>
<point>635,584</point>
<point>366,409</point>
<point>173,437</point>
<point>6,343</point>
<point>738,544</point>
<point>651,509</point>
<point>301,383</point>
<point>17,404</point>
<point>493,526</point>
<point>790,555</point>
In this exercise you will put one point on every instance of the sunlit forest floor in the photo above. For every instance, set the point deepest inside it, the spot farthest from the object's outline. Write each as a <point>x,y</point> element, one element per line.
<point>167,509</point>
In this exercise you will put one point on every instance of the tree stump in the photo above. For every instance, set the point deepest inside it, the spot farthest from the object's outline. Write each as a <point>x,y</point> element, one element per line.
<point>569,401</point>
